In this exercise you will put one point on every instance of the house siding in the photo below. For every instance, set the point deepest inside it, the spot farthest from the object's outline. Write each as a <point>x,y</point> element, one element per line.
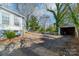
<point>11,25</point>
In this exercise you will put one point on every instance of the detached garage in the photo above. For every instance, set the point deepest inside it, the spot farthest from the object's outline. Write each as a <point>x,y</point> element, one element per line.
<point>67,30</point>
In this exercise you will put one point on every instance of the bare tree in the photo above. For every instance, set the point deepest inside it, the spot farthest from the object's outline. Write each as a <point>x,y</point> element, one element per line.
<point>43,20</point>
<point>26,9</point>
<point>74,15</point>
<point>59,13</point>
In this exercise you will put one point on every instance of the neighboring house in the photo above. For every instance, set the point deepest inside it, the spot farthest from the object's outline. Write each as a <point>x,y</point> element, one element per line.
<point>10,20</point>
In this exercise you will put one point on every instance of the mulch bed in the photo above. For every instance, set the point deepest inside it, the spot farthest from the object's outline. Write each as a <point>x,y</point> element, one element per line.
<point>14,40</point>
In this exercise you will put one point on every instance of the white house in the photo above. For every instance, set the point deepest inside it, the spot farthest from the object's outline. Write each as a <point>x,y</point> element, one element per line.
<point>10,20</point>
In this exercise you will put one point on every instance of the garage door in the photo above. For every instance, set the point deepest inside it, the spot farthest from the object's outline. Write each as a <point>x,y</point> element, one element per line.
<point>67,31</point>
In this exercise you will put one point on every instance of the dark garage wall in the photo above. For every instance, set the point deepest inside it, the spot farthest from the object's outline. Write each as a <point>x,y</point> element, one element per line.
<point>67,31</point>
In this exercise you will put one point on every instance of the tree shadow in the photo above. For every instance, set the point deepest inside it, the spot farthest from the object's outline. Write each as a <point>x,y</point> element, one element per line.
<point>53,44</point>
<point>23,52</point>
<point>19,52</point>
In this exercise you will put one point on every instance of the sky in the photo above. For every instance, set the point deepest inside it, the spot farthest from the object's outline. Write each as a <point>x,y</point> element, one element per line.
<point>10,5</point>
<point>40,10</point>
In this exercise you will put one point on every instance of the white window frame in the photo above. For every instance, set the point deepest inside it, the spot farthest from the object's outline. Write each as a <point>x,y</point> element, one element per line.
<point>5,19</point>
<point>16,21</point>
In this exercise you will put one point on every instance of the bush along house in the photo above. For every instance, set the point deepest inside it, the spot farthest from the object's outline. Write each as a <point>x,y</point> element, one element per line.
<point>10,21</point>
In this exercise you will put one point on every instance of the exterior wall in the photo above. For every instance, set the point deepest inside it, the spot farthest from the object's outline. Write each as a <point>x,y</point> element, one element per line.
<point>11,25</point>
<point>0,19</point>
<point>59,31</point>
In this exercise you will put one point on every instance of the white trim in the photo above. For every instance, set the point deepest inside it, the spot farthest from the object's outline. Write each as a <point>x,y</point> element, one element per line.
<point>11,11</point>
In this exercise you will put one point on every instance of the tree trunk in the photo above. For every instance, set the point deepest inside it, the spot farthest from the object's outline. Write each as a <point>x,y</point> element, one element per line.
<point>57,28</point>
<point>27,22</point>
<point>76,33</point>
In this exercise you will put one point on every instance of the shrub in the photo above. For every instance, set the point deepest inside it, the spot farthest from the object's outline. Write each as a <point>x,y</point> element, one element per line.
<point>10,34</point>
<point>33,24</point>
<point>41,30</point>
<point>51,29</point>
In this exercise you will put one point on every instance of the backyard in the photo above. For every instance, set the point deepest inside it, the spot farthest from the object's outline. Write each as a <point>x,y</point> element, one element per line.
<point>37,44</point>
<point>40,31</point>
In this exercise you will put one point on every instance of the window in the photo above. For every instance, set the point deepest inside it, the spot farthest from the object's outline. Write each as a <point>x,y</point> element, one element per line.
<point>16,21</point>
<point>5,19</point>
